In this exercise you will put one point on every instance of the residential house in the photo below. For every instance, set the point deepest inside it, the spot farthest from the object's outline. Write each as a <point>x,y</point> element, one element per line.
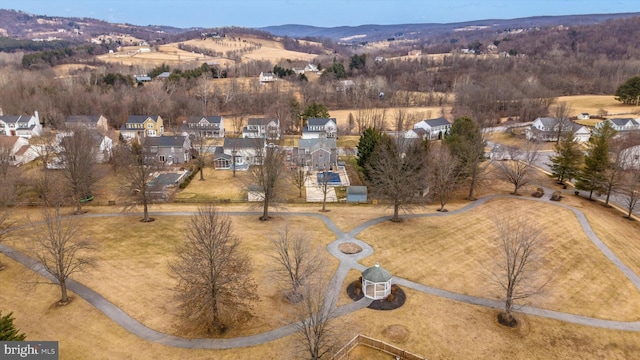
<point>243,150</point>
<point>24,126</point>
<point>584,116</point>
<point>631,157</point>
<point>164,75</point>
<point>18,150</point>
<point>102,144</point>
<point>169,150</point>
<point>267,77</point>
<point>416,133</point>
<point>320,128</point>
<point>316,154</point>
<point>206,126</point>
<point>546,129</point>
<point>344,85</point>
<point>621,124</point>
<point>311,68</point>
<point>434,128</point>
<point>139,126</point>
<point>262,128</point>
<point>142,78</point>
<point>92,122</point>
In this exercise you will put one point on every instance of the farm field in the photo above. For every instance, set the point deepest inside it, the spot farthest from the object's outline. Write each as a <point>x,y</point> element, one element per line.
<point>592,104</point>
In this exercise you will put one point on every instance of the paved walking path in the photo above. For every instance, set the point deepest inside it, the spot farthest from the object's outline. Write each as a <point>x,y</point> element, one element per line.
<point>347,262</point>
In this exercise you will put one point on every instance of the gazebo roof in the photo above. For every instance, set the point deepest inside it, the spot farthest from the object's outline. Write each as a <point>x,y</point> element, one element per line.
<point>376,274</point>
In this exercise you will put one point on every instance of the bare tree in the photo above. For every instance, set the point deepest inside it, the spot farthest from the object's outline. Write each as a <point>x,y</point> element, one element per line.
<point>266,175</point>
<point>59,249</point>
<point>619,160</point>
<point>138,175</point>
<point>297,261</point>
<point>518,269</point>
<point>398,171</point>
<point>562,114</point>
<point>200,148</point>
<point>630,190</point>
<point>215,287</point>
<point>45,146</point>
<point>6,159</point>
<point>323,184</point>
<point>517,169</point>
<point>299,178</point>
<point>315,315</point>
<point>444,177</point>
<point>400,120</point>
<point>79,158</point>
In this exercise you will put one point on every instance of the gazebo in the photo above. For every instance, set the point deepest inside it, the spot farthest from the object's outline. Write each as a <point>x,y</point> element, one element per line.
<point>376,282</point>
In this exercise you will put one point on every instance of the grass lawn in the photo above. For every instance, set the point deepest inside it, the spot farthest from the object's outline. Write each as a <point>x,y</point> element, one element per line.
<point>453,252</point>
<point>459,258</point>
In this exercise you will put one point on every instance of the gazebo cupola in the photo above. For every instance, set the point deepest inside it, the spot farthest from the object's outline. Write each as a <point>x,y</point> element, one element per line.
<point>376,282</point>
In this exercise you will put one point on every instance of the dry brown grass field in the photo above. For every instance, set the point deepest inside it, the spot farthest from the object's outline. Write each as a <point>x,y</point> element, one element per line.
<point>447,329</point>
<point>593,103</point>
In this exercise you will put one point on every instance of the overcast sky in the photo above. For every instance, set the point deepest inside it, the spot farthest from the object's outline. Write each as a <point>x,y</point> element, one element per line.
<point>258,13</point>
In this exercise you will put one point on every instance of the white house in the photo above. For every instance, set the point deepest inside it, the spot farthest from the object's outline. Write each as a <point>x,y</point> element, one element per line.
<point>632,157</point>
<point>311,68</point>
<point>18,149</point>
<point>206,126</point>
<point>435,128</point>
<point>621,124</point>
<point>546,129</point>
<point>24,126</point>
<point>242,151</point>
<point>584,116</point>
<point>262,128</point>
<point>267,77</point>
<point>319,128</point>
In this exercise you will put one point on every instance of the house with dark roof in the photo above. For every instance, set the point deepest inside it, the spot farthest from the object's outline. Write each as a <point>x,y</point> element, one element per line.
<point>262,128</point>
<point>434,128</point>
<point>24,126</point>
<point>142,126</point>
<point>547,129</point>
<point>206,126</point>
<point>92,122</point>
<point>169,150</point>
<point>621,124</point>
<point>238,153</point>
<point>320,128</point>
<point>317,154</point>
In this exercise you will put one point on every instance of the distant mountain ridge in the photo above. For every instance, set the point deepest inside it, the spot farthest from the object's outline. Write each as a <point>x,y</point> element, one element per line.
<point>373,32</point>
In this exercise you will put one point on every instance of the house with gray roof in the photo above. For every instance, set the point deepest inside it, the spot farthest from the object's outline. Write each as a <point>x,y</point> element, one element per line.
<point>169,150</point>
<point>317,154</point>
<point>547,129</point>
<point>206,126</point>
<point>92,122</point>
<point>238,153</point>
<point>320,128</point>
<point>434,128</point>
<point>621,124</point>
<point>262,128</point>
<point>141,126</point>
<point>24,126</point>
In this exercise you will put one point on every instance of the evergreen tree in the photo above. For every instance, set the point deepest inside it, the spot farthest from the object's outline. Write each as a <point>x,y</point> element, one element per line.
<point>593,176</point>
<point>8,331</point>
<point>368,141</point>
<point>629,92</point>
<point>315,110</point>
<point>566,164</point>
